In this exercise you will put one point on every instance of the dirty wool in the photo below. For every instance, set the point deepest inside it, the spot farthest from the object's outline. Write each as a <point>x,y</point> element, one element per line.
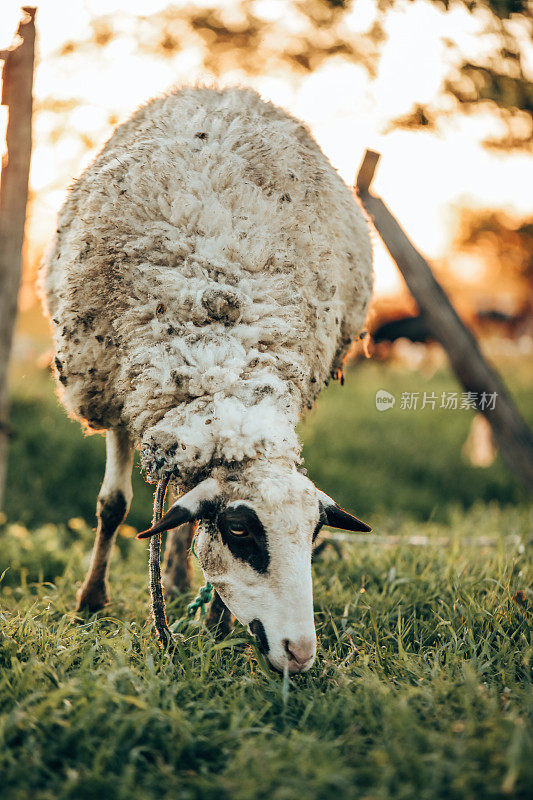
<point>209,272</point>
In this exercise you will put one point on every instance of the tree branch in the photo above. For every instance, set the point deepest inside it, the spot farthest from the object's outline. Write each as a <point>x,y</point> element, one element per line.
<point>511,433</point>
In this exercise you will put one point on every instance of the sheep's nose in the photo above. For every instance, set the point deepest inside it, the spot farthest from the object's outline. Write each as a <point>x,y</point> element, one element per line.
<point>301,653</point>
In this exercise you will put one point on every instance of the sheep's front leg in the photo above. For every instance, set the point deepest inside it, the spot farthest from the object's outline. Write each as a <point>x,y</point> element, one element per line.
<point>113,504</point>
<point>177,571</point>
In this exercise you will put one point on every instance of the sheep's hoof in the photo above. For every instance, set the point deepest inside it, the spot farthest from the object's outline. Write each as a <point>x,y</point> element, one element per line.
<point>92,597</point>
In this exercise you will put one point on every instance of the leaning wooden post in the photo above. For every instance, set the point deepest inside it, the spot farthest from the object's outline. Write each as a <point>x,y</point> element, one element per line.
<point>511,433</point>
<point>17,84</point>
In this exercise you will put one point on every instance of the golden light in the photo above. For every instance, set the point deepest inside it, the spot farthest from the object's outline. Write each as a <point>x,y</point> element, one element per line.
<point>423,175</point>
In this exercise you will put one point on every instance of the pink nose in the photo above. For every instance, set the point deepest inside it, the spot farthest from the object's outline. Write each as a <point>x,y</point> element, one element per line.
<point>301,653</point>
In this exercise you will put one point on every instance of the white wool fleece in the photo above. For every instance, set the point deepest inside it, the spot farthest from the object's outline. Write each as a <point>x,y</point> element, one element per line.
<point>210,270</point>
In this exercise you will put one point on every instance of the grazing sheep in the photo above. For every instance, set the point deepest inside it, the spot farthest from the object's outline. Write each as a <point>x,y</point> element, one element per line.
<point>208,275</point>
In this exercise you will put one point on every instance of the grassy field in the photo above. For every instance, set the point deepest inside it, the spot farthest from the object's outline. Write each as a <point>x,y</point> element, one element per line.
<point>422,686</point>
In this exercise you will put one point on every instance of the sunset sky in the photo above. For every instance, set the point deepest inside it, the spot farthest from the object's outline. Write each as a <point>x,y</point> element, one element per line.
<point>423,176</point>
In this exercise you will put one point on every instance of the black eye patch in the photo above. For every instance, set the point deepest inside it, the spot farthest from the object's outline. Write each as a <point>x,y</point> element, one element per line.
<point>252,545</point>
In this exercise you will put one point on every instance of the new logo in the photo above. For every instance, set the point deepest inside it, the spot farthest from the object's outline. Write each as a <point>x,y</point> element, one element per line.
<point>384,400</point>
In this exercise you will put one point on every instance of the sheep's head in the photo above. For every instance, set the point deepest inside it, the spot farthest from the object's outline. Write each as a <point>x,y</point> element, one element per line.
<point>256,531</point>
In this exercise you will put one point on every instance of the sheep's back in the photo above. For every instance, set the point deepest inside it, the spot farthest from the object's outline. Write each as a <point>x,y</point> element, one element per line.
<point>210,231</point>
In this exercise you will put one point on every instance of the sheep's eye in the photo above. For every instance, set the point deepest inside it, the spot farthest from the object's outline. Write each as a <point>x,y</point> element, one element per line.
<point>239,525</point>
<point>238,531</point>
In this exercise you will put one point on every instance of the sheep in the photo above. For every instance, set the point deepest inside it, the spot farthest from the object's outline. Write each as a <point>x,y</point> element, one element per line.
<point>209,272</point>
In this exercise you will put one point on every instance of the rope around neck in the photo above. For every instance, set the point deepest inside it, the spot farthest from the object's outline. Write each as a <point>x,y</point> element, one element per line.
<point>205,593</point>
<point>163,633</point>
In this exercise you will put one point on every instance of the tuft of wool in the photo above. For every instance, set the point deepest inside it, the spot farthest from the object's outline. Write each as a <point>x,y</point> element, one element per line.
<point>209,272</point>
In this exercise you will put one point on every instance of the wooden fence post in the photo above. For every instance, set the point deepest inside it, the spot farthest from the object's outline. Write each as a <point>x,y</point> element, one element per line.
<point>17,83</point>
<point>511,433</point>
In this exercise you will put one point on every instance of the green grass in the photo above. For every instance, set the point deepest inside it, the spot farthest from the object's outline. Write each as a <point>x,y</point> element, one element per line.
<point>422,687</point>
<point>401,462</point>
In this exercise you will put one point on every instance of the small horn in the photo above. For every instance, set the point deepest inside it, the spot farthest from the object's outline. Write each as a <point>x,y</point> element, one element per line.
<point>187,508</point>
<point>337,517</point>
<point>175,516</point>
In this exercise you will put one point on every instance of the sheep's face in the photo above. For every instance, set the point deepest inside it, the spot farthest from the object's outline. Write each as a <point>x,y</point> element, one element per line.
<point>254,542</point>
<point>256,551</point>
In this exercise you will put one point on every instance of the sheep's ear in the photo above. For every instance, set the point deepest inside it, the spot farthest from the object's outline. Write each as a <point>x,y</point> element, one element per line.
<point>191,506</point>
<point>337,517</point>
<point>175,516</point>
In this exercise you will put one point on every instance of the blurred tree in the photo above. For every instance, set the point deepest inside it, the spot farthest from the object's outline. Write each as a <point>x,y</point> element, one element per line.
<point>504,246</point>
<point>302,34</point>
<point>239,36</point>
<point>500,79</point>
<point>311,32</point>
